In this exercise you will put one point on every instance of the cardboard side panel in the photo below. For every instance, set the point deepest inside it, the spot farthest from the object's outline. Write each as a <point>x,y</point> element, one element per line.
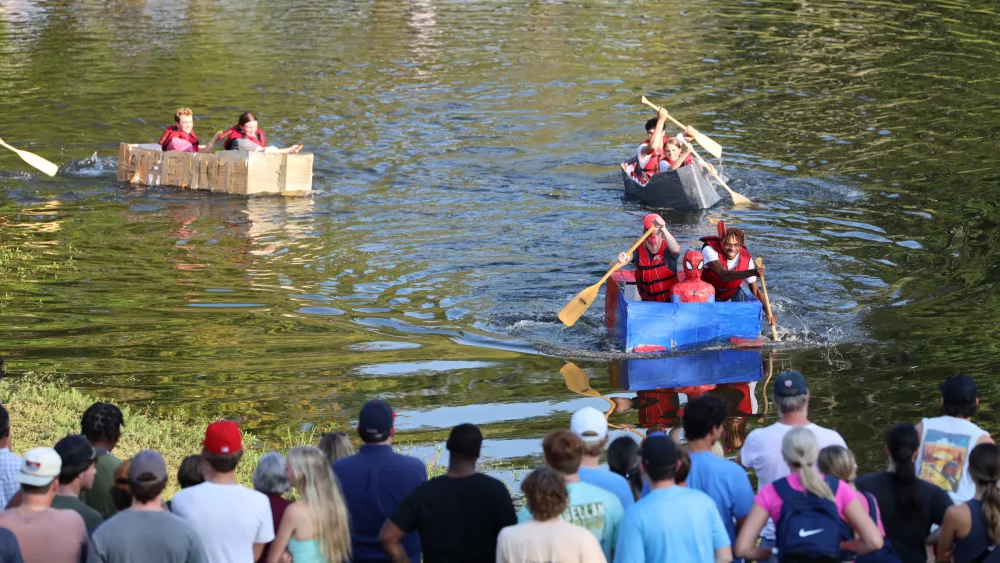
<point>179,169</point>
<point>298,174</point>
<point>266,173</point>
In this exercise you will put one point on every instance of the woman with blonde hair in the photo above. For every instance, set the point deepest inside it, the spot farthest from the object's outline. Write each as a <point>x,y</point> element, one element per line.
<point>336,445</point>
<point>315,528</point>
<point>821,503</point>
<point>971,531</point>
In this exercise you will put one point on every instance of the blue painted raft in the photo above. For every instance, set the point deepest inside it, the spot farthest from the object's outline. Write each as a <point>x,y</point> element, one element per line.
<point>650,326</point>
<point>714,367</point>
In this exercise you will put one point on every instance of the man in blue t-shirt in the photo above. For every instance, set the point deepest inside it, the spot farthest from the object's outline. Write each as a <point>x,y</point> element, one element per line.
<point>671,524</point>
<point>592,427</point>
<point>375,480</point>
<point>726,482</point>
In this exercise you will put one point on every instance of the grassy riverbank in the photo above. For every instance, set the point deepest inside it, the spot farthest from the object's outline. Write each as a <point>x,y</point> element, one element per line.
<point>44,408</point>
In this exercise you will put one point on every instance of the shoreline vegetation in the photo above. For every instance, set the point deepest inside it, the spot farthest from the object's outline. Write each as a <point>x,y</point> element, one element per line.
<point>44,408</point>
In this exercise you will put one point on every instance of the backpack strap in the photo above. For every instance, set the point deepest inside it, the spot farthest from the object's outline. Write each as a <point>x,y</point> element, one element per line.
<point>872,506</point>
<point>984,554</point>
<point>833,483</point>
<point>784,490</point>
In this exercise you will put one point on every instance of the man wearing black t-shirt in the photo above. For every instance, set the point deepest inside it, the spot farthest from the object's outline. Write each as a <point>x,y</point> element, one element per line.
<point>457,515</point>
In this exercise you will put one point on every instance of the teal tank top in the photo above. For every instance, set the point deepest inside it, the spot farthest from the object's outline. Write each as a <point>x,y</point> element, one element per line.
<point>305,551</point>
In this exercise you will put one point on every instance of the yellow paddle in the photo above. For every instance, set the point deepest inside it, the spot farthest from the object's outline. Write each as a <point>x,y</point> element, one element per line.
<point>578,382</point>
<point>767,301</point>
<point>34,160</point>
<point>579,304</point>
<point>738,199</point>
<point>713,148</point>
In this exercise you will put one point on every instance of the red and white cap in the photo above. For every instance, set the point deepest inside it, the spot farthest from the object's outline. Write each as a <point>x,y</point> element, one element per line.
<point>39,467</point>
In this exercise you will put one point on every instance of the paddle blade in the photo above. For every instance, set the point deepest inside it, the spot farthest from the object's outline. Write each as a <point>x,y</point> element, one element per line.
<point>577,380</point>
<point>579,305</point>
<point>713,148</point>
<point>740,199</point>
<point>38,162</point>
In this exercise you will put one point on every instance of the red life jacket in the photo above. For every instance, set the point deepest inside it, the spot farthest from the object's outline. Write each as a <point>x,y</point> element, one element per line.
<point>653,164</point>
<point>687,161</point>
<point>653,278</point>
<point>724,290</point>
<point>233,134</point>
<point>174,132</point>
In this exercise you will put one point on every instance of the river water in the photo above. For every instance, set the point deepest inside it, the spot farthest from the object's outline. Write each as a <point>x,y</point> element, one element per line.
<point>467,186</point>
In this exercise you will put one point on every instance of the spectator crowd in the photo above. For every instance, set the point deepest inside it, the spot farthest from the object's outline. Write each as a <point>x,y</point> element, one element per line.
<point>670,498</point>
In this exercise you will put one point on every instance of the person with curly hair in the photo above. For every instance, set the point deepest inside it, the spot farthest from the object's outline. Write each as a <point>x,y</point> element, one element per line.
<point>102,425</point>
<point>547,536</point>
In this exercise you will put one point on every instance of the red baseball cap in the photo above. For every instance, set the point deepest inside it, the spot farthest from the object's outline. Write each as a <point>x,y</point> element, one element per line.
<point>223,437</point>
<point>647,222</point>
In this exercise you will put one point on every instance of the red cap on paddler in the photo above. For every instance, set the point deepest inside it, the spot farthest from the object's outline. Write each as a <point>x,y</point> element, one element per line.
<point>650,220</point>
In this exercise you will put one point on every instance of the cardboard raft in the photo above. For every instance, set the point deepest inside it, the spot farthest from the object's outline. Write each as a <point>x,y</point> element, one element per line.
<point>234,172</point>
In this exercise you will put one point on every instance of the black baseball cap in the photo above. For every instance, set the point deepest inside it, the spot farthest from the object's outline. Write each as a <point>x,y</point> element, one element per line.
<point>790,384</point>
<point>958,390</point>
<point>465,440</point>
<point>658,451</point>
<point>376,420</point>
<point>76,453</point>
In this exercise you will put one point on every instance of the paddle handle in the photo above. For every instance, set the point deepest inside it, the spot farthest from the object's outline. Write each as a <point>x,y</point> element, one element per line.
<point>619,265</point>
<point>670,117</point>
<point>5,145</point>
<point>767,301</point>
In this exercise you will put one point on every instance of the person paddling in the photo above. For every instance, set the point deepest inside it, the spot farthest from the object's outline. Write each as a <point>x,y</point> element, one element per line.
<point>655,261</point>
<point>247,136</point>
<point>728,275</point>
<point>181,137</point>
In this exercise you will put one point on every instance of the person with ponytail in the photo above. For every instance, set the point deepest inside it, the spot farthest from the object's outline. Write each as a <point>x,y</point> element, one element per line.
<point>909,507</point>
<point>623,459</point>
<point>247,136</point>
<point>314,528</point>
<point>800,451</point>
<point>971,531</point>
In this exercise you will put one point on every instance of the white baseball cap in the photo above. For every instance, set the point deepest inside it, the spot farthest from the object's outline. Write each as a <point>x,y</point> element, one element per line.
<point>589,424</point>
<point>40,467</point>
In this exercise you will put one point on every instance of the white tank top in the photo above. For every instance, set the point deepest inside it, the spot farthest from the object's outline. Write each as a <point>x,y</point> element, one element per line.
<point>944,455</point>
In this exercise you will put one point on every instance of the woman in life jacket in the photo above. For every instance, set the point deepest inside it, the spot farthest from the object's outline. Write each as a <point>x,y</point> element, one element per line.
<point>180,136</point>
<point>655,261</point>
<point>800,451</point>
<point>971,531</point>
<point>650,153</point>
<point>247,136</point>
<point>728,275</point>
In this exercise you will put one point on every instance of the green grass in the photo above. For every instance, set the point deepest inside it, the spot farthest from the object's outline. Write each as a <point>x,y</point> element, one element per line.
<point>44,408</point>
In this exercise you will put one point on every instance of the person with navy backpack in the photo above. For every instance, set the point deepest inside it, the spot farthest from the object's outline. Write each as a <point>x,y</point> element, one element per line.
<point>816,516</point>
<point>839,462</point>
<point>971,531</point>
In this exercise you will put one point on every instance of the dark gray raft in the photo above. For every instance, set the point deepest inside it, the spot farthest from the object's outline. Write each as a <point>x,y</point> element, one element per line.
<point>685,188</point>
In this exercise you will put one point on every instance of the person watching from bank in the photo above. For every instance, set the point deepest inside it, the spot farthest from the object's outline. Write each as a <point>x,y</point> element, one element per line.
<point>589,506</point>
<point>946,441</point>
<point>146,531</point>
<point>459,514</point>
<point>76,476</point>
<point>546,535</point>
<point>375,481</point>
<point>247,136</point>
<point>45,534</point>
<point>971,531</point>
<point>315,528</point>
<point>181,137</point>
<point>335,445</point>
<point>234,522</point>
<point>10,462</point>
<point>271,478</point>
<point>102,425</point>
<point>655,261</point>
<point>591,426</point>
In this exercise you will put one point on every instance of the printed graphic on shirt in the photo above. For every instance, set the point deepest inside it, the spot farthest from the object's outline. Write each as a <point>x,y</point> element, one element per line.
<point>942,460</point>
<point>590,516</point>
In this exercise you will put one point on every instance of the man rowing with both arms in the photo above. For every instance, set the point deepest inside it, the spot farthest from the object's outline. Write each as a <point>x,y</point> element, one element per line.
<point>655,261</point>
<point>728,275</point>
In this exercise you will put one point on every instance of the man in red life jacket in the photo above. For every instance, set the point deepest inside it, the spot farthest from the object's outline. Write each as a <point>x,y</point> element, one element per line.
<point>728,263</point>
<point>650,153</point>
<point>692,289</point>
<point>180,136</point>
<point>655,261</point>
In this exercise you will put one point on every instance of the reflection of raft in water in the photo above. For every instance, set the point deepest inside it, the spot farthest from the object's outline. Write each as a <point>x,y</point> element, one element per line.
<point>706,368</point>
<point>651,326</point>
<point>685,189</point>
<point>235,172</point>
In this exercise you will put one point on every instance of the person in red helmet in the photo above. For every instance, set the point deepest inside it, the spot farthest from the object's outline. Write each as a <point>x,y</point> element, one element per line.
<point>655,261</point>
<point>693,289</point>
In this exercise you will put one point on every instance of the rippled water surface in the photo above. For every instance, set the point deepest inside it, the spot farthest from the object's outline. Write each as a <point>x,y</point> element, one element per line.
<point>467,186</point>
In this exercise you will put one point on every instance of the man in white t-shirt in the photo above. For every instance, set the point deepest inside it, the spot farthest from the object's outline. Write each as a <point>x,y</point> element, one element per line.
<point>946,441</point>
<point>727,276</point>
<point>762,448</point>
<point>234,522</point>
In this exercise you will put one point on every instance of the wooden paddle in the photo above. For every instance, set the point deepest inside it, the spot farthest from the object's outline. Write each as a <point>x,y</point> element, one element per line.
<point>767,301</point>
<point>578,382</point>
<point>715,149</point>
<point>34,160</point>
<point>579,304</point>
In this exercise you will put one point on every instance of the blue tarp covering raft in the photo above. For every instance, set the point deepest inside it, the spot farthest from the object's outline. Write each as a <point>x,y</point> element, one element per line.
<point>715,367</point>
